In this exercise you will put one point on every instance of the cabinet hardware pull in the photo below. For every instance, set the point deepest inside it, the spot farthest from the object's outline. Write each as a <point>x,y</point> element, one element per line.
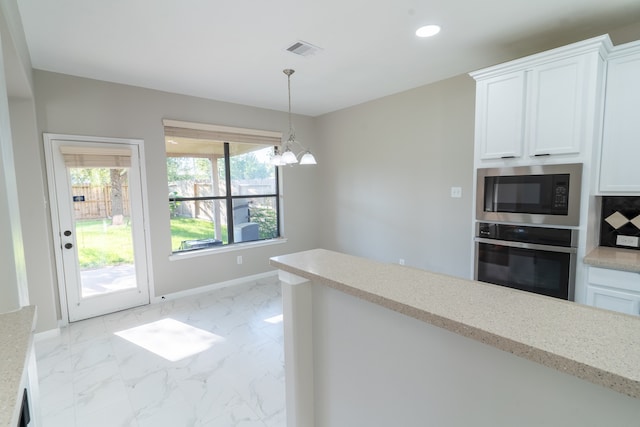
<point>540,155</point>
<point>508,157</point>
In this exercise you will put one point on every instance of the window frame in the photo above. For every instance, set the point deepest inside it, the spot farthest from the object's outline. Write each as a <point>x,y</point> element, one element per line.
<point>228,197</point>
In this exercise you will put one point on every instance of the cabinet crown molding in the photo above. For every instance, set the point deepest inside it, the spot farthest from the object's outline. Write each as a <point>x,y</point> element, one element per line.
<point>625,49</point>
<point>601,44</point>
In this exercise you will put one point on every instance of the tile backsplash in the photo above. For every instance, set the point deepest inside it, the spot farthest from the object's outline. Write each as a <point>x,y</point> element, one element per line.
<point>620,222</point>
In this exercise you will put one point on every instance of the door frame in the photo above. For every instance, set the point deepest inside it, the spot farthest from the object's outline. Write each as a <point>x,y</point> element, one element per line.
<point>48,139</point>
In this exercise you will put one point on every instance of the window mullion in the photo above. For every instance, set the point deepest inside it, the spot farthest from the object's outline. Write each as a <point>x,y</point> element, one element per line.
<point>277,196</point>
<point>227,177</point>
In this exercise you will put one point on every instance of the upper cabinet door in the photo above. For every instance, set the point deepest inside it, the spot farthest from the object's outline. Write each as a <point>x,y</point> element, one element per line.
<point>620,156</point>
<point>547,104</point>
<point>556,107</point>
<point>500,115</point>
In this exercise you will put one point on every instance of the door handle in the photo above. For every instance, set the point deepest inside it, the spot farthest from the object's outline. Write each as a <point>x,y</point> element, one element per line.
<point>68,245</point>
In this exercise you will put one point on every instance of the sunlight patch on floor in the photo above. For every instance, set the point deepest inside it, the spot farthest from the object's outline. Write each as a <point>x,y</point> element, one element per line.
<point>171,339</point>
<point>275,319</point>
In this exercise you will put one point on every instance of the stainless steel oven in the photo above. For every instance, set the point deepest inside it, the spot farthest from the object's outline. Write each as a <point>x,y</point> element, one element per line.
<point>535,259</point>
<point>541,194</point>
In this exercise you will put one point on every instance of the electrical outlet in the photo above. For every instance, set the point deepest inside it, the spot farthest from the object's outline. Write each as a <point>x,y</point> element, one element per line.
<point>456,192</point>
<point>401,261</point>
<point>239,259</point>
<point>631,241</point>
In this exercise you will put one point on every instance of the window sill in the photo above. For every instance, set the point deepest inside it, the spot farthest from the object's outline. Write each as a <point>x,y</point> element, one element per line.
<point>229,248</point>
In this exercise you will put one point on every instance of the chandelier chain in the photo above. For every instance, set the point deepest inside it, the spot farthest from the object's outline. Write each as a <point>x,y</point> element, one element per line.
<point>288,72</point>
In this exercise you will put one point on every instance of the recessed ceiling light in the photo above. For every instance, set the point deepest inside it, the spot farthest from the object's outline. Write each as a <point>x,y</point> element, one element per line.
<point>428,31</point>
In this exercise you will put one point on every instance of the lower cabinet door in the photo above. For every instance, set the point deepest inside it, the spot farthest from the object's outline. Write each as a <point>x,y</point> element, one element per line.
<point>612,299</point>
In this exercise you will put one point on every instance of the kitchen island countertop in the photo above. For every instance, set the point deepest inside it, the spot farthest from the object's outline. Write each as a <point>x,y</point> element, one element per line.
<point>596,345</point>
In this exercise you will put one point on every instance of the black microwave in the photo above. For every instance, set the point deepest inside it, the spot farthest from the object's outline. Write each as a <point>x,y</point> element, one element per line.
<point>542,194</point>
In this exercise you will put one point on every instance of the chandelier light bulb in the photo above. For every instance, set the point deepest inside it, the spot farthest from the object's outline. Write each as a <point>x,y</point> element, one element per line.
<point>308,159</point>
<point>289,158</point>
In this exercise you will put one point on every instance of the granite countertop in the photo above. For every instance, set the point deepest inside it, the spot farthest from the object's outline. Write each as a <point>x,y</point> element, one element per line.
<point>16,340</point>
<point>596,345</point>
<point>614,258</point>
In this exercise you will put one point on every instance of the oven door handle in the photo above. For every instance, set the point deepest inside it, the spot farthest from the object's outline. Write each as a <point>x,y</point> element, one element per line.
<point>523,245</point>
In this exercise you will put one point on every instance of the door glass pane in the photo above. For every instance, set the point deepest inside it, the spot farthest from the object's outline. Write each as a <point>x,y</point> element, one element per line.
<point>103,230</point>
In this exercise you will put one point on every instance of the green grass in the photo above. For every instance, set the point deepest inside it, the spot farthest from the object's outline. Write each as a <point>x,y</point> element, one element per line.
<point>101,244</point>
<point>192,229</point>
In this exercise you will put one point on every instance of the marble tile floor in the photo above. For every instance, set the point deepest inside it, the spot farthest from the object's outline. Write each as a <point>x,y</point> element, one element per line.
<point>214,359</point>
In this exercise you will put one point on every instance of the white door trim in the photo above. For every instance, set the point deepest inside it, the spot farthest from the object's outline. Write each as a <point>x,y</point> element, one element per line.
<point>48,139</point>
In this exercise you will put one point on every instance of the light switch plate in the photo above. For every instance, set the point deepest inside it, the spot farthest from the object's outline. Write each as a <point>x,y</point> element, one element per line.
<point>456,192</point>
<point>631,241</point>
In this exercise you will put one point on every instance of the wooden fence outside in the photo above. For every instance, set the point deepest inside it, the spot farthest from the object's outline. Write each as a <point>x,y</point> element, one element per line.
<point>97,201</point>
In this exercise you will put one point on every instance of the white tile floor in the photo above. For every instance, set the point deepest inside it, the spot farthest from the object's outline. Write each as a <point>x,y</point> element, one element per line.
<point>214,359</point>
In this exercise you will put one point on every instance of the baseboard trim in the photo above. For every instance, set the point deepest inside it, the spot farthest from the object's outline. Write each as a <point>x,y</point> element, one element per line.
<point>211,287</point>
<point>51,333</point>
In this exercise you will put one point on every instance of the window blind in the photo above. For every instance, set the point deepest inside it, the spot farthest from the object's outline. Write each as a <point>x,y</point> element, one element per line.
<point>202,131</point>
<point>97,157</point>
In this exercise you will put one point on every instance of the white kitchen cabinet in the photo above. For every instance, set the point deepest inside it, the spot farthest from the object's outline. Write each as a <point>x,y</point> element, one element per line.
<point>557,111</point>
<point>620,155</point>
<point>614,290</point>
<point>500,115</point>
<point>541,105</point>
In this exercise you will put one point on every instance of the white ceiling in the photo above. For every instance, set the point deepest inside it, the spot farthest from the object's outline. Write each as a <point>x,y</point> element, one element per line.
<point>234,50</point>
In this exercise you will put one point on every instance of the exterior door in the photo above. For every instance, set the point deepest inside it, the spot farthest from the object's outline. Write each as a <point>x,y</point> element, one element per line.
<point>98,223</point>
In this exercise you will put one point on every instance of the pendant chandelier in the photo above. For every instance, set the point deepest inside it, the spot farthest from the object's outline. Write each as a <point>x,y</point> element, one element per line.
<point>285,155</point>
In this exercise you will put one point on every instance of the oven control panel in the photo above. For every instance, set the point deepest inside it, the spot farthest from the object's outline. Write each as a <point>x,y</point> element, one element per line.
<point>527,234</point>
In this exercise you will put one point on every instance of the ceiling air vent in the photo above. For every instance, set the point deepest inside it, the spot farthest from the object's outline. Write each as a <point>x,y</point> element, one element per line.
<point>303,48</point>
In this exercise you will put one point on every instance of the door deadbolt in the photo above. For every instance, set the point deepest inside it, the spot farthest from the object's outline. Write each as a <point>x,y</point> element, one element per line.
<point>67,233</point>
<point>68,245</point>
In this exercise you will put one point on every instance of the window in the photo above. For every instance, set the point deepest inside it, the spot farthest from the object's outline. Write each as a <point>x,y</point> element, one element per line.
<point>223,187</point>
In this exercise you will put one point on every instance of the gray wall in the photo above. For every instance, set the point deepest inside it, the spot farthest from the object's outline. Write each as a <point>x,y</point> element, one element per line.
<point>13,270</point>
<point>72,105</point>
<point>390,164</point>
<point>10,264</point>
<point>34,211</point>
